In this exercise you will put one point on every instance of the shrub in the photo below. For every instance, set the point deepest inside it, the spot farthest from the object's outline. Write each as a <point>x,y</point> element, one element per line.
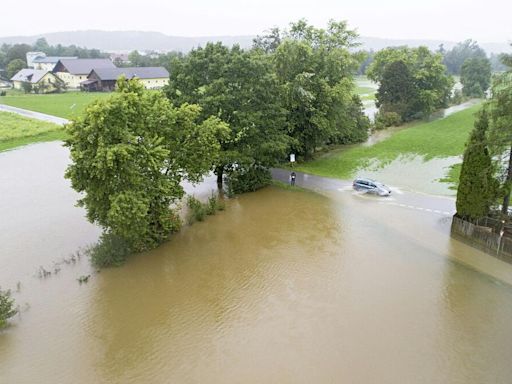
<point>3,93</point>
<point>7,309</point>
<point>110,251</point>
<point>214,204</point>
<point>198,210</point>
<point>387,119</point>
<point>248,179</point>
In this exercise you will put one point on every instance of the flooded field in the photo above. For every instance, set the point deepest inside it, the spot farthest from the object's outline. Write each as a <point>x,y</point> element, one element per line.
<point>282,287</point>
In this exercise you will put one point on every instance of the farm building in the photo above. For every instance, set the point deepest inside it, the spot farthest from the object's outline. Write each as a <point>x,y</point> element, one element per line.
<point>74,71</point>
<point>104,79</point>
<point>40,80</point>
<point>47,63</point>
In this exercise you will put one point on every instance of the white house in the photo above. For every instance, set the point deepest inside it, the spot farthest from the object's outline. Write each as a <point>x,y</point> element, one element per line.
<point>42,80</point>
<point>31,56</point>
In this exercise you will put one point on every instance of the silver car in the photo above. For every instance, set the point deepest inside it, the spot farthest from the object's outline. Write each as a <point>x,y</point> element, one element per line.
<point>371,186</point>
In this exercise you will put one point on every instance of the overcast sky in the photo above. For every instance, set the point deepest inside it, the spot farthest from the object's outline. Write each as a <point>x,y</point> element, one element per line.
<point>485,21</point>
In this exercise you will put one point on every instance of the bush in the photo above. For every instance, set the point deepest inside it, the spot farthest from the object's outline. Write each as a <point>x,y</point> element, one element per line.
<point>387,119</point>
<point>7,309</point>
<point>110,251</point>
<point>3,93</point>
<point>214,204</point>
<point>248,179</point>
<point>198,210</point>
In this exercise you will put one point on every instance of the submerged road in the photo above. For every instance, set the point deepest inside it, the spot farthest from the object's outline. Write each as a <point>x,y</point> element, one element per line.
<point>34,115</point>
<point>436,205</point>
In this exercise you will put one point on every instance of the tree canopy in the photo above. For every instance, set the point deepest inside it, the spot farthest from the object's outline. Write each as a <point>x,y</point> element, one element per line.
<point>129,154</point>
<point>455,57</point>
<point>500,107</point>
<point>14,67</point>
<point>315,67</point>
<point>428,82</point>
<point>477,188</point>
<point>241,89</point>
<point>475,76</point>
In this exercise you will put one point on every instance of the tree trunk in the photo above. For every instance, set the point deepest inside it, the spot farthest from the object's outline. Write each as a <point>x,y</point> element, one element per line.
<point>506,199</point>
<point>219,171</point>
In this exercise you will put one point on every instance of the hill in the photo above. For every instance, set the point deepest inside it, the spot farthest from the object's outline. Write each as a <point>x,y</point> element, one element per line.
<point>119,41</point>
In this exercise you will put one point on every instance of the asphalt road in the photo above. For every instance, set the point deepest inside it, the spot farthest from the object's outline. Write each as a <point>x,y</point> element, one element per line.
<point>403,199</point>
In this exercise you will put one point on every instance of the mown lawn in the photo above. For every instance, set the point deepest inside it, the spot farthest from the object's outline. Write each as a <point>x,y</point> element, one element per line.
<point>66,105</point>
<point>364,90</point>
<point>16,130</point>
<point>440,138</point>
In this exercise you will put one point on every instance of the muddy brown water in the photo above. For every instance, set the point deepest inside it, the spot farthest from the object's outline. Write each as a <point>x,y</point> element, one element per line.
<point>282,287</point>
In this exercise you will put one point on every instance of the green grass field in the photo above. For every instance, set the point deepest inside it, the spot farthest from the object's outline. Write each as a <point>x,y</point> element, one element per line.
<point>66,105</point>
<point>17,130</point>
<point>440,138</point>
<point>364,90</point>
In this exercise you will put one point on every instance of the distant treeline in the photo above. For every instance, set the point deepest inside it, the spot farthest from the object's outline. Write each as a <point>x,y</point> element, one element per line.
<point>453,58</point>
<point>9,52</point>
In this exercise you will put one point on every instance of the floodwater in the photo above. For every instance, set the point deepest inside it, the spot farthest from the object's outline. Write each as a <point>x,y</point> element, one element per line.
<point>281,287</point>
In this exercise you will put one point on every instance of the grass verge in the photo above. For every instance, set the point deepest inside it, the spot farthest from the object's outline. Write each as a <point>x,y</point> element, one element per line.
<point>66,105</point>
<point>16,130</point>
<point>440,138</point>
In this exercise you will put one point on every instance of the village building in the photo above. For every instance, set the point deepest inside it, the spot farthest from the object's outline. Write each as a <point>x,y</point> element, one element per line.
<point>33,55</point>
<point>47,63</point>
<point>40,81</point>
<point>104,79</point>
<point>74,71</point>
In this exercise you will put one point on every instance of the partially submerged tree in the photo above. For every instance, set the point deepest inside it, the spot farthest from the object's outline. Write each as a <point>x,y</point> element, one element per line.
<point>397,92</point>
<point>129,154</point>
<point>477,189</point>
<point>7,309</point>
<point>428,84</point>
<point>315,69</point>
<point>241,89</point>
<point>475,76</point>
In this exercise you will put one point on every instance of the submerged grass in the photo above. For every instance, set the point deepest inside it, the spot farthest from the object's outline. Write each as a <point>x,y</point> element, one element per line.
<point>440,138</point>
<point>16,130</point>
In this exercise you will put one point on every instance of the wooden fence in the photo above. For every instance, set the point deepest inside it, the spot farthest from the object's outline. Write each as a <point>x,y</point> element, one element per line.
<point>484,237</point>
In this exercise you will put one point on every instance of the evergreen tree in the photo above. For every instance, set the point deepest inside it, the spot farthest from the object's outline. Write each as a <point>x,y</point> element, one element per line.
<point>477,185</point>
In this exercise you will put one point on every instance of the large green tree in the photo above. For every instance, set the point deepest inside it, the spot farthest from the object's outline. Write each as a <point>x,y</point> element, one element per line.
<point>477,188</point>
<point>129,154</point>
<point>240,88</point>
<point>500,106</point>
<point>397,92</point>
<point>14,67</point>
<point>430,84</point>
<point>475,76</point>
<point>315,69</point>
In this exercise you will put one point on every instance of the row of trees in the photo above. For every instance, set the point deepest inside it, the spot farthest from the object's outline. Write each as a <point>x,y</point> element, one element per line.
<point>234,111</point>
<point>486,173</point>
<point>14,57</point>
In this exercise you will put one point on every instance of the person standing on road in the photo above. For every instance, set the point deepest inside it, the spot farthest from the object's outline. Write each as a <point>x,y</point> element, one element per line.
<point>292,178</point>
